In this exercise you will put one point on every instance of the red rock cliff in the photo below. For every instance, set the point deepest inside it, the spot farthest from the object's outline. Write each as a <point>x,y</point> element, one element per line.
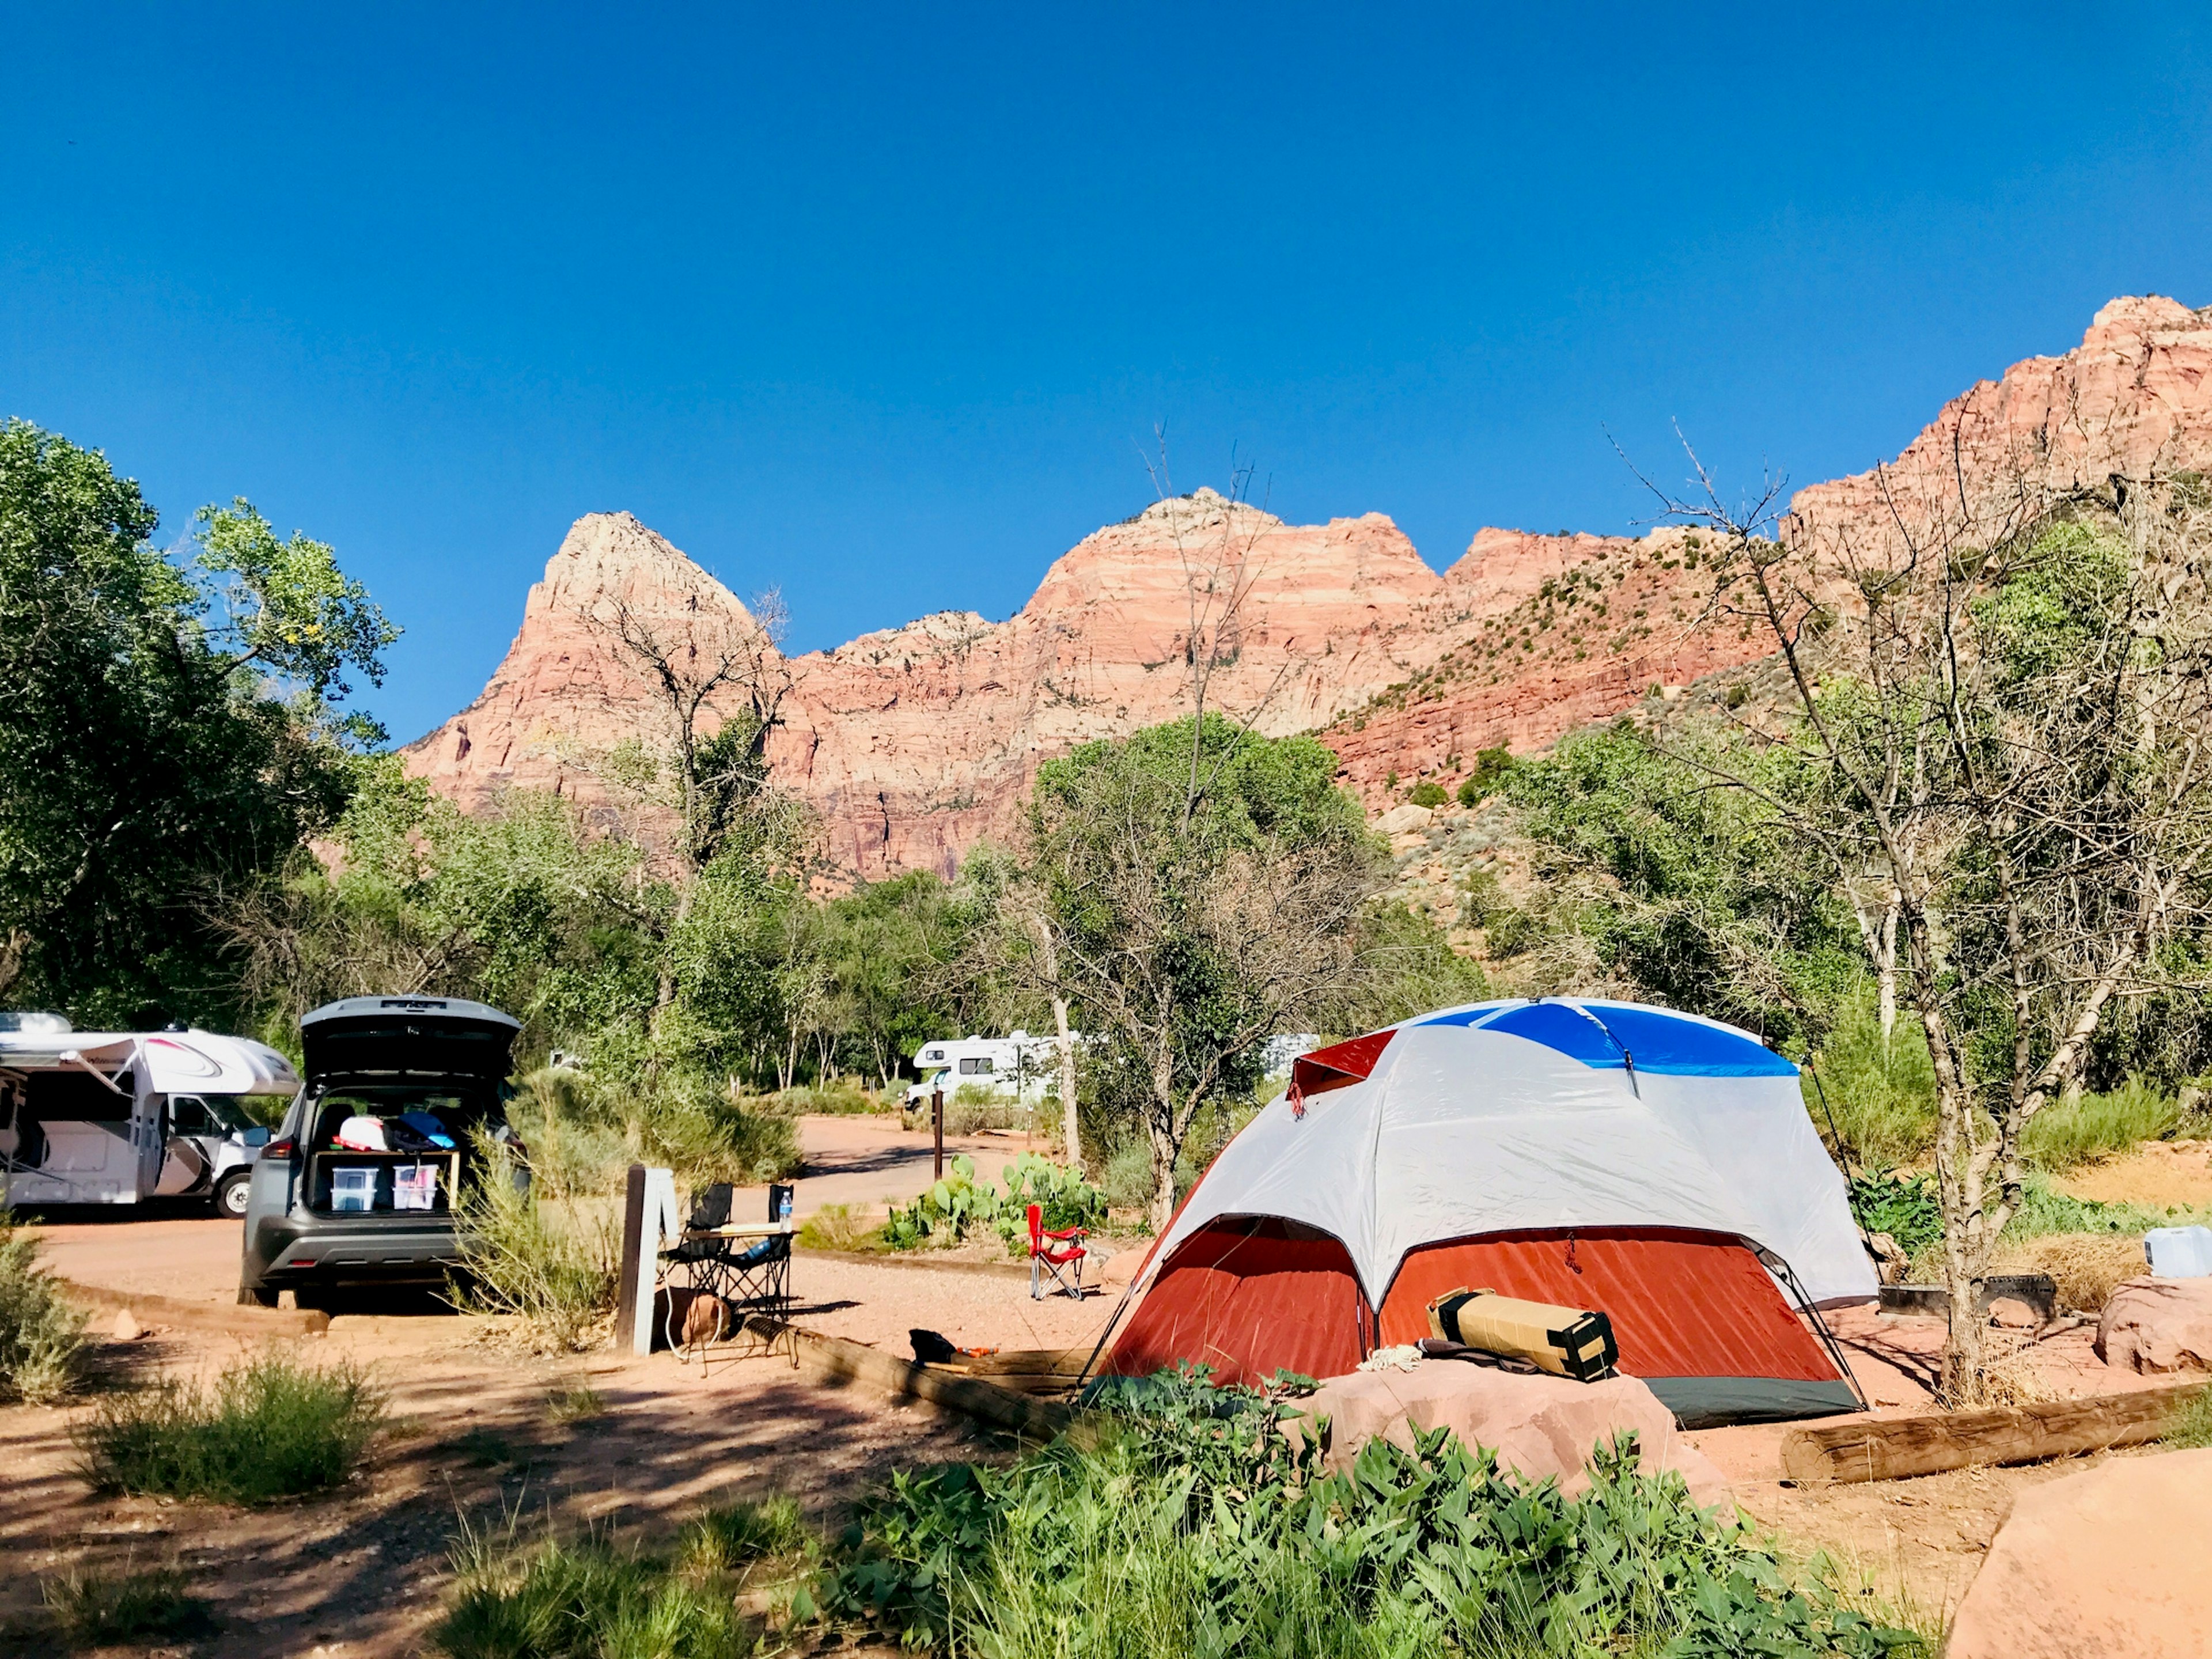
<point>914,743</point>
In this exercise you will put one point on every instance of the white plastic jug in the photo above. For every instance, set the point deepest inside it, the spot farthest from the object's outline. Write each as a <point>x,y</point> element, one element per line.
<point>2179,1252</point>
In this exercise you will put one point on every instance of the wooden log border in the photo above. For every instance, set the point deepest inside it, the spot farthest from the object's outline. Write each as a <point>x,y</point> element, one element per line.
<point>836,1360</point>
<point>1891,1448</point>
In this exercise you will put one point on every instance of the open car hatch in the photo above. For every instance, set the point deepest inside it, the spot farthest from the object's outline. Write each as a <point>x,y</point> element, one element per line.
<point>407,1037</point>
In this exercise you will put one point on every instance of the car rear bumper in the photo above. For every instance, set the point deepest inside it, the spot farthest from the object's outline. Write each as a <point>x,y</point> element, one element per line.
<point>385,1254</point>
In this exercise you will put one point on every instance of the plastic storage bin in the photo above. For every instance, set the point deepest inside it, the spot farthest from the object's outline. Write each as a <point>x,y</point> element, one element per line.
<point>415,1187</point>
<point>2179,1252</point>
<point>353,1189</point>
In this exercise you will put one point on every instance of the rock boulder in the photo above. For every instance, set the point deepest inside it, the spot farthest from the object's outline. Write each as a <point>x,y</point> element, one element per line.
<point>2107,1561</point>
<point>1538,1425</point>
<point>2158,1325</point>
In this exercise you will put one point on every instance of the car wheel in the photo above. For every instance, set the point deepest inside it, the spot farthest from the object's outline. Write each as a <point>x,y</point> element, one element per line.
<point>256,1295</point>
<point>230,1194</point>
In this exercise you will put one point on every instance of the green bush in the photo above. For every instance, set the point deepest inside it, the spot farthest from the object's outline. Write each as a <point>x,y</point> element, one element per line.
<point>706,1137</point>
<point>555,1274</point>
<point>840,1227</point>
<point>1428,792</point>
<point>93,1609</point>
<point>41,1332</point>
<point>2070,1132</point>
<point>1192,1528</point>
<point>960,1205</point>
<point>1490,767</point>
<point>1906,1210</point>
<point>267,1428</point>
<point>1126,1179</point>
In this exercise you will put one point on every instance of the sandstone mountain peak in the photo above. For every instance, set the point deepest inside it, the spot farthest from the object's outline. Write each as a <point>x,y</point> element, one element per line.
<point>914,743</point>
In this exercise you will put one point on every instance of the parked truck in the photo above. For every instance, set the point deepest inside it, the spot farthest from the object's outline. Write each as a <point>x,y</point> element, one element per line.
<point>117,1117</point>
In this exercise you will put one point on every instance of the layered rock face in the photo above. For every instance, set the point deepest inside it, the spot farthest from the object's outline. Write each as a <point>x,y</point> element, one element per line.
<point>2135,395</point>
<point>916,743</point>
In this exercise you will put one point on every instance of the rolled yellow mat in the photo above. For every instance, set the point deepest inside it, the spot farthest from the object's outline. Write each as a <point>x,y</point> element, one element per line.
<point>1575,1342</point>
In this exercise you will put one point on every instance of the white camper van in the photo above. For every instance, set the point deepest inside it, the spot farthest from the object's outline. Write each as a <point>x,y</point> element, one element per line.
<point>113,1117</point>
<point>1017,1066</point>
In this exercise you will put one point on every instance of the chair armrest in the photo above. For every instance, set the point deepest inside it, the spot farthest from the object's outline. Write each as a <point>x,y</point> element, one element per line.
<point>1066,1232</point>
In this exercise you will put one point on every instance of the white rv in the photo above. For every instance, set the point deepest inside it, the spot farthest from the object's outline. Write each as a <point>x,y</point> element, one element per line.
<point>113,1117</point>
<point>1017,1067</point>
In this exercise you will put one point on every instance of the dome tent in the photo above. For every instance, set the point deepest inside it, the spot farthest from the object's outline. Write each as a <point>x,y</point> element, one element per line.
<point>1653,1165</point>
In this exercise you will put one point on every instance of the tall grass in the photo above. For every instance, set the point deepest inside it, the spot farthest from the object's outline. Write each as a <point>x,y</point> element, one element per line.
<point>95,1609</point>
<point>1880,1094</point>
<point>41,1332</point>
<point>2191,1427</point>
<point>554,1272</point>
<point>589,1598</point>
<point>266,1428</point>
<point>2070,1132</point>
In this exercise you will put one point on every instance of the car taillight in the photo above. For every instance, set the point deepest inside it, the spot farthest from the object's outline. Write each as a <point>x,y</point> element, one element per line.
<point>279,1148</point>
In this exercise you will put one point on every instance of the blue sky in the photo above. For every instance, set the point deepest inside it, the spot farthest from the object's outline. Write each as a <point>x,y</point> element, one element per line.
<point>882,305</point>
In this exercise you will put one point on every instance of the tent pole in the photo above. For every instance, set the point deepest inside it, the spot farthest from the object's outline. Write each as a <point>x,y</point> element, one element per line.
<point>1782,1270</point>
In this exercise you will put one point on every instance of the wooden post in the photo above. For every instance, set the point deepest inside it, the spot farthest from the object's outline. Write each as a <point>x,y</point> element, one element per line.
<point>937,1126</point>
<point>633,1254</point>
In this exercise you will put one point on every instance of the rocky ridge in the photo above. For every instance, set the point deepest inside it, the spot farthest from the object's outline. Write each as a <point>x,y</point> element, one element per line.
<point>914,744</point>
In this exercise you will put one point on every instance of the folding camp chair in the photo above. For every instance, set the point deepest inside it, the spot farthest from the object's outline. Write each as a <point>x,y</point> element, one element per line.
<point>742,1276</point>
<point>1063,1261</point>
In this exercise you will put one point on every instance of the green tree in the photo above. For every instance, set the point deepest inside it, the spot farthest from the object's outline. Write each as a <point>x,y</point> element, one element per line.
<point>1203,888</point>
<point>166,727</point>
<point>1692,890</point>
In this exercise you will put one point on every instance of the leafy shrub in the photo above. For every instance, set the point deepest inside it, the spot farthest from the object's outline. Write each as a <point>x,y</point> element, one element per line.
<point>1192,1528</point>
<point>267,1428</point>
<point>575,1149</point>
<point>1428,792</point>
<point>1908,1210</point>
<point>2069,1132</point>
<point>1490,767</point>
<point>41,1332</point>
<point>960,1205</point>
<point>557,1274</point>
<point>91,1609</point>
<point>588,1599</point>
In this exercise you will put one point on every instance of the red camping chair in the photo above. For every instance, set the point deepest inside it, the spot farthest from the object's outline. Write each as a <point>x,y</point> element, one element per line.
<point>1064,1263</point>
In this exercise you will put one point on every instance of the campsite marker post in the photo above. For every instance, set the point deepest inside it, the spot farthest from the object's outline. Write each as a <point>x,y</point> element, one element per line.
<point>937,1124</point>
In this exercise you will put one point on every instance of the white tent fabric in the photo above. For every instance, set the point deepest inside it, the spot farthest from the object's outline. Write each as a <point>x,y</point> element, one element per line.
<point>1461,1132</point>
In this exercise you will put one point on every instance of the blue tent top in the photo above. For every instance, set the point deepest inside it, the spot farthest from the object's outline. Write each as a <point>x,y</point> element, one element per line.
<point>1608,1035</point>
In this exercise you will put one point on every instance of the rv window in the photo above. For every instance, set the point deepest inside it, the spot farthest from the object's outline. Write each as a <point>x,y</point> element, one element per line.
<point>975,1067</point>
<point>61,1096</point>
<point>189,1115</point>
